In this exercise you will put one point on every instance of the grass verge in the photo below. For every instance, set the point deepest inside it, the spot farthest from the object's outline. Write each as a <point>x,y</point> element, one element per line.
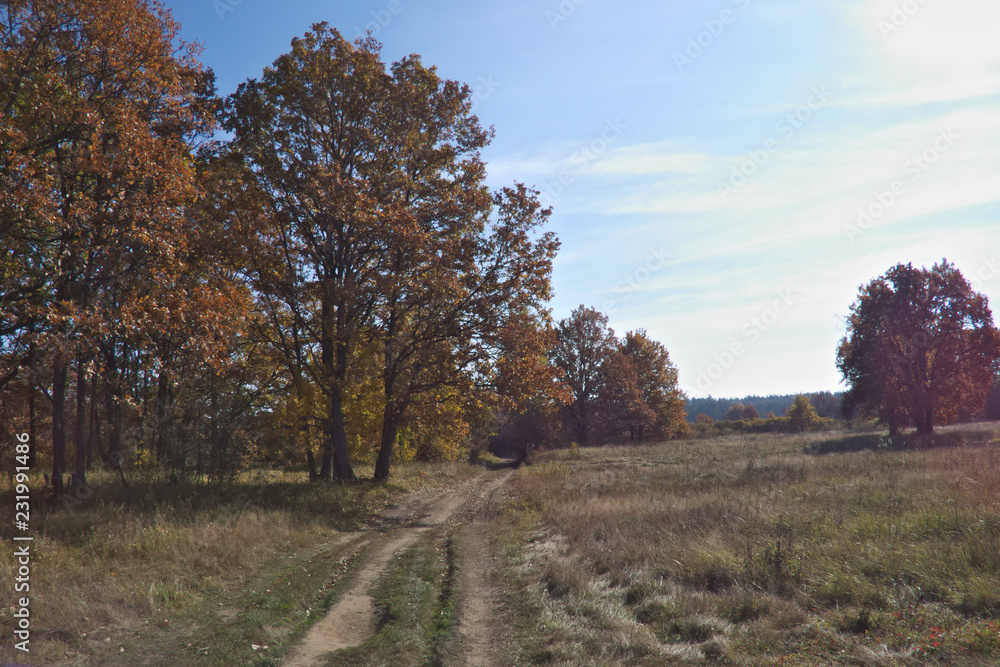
<point>185,567</point>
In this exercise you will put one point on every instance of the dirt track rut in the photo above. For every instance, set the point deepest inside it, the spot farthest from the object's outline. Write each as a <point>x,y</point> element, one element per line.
<point>351,620</point>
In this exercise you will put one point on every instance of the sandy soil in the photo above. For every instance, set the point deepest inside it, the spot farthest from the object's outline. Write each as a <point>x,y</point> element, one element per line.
<point>352,619</point>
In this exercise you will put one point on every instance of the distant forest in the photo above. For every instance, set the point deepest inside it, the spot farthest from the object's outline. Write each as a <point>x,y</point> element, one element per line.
<point>827,404</point>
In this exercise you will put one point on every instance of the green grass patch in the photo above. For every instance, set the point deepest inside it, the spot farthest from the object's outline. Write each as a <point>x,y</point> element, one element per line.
<point>415,608</point>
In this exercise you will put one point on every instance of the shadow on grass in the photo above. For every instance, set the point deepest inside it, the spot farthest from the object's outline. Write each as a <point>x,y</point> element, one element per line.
<point>339,507</point>
<point>950,437</point>
<point>503,464</point>
<point>856,443</point>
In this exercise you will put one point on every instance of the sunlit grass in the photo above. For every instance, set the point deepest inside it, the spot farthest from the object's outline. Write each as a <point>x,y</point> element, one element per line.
<point>750,550</point>
<point>134,555</point>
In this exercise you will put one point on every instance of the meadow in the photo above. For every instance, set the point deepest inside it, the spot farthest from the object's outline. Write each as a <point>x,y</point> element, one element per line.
<point>759,550</point>
<point>831,548</point>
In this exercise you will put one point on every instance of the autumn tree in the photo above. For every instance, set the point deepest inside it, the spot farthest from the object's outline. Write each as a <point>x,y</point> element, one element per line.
<point>316,141</point>
<point>802,415</point>
<point>96,183</point>
<point>921,344</point>
<point>657,381</point>
<point>584,343</point>
<point>377,230</point>
<point>735,412</point>
<point>446,325</point>
<point>529,390</point>
<point>750,412</point>
<point>620,403</point>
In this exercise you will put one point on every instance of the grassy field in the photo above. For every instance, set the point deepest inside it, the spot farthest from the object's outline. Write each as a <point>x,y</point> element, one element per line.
<point>211,574</point>
<point>754,550</point>
<point>814,549</point>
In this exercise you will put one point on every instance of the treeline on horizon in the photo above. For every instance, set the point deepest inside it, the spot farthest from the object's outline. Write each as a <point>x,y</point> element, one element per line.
<point>827,404</point>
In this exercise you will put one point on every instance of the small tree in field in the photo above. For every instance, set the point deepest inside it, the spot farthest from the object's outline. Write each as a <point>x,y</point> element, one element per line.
<point>735,412</point>
<point>584,344</point>
<point>802,414</point>
<point>657,380</point>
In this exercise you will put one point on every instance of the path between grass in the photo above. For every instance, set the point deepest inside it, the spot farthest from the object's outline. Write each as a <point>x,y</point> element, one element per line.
<point>351,620</point>
<point>476,620</point>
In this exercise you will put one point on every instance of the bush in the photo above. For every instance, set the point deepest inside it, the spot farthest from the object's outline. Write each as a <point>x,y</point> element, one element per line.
<point>758,426</point>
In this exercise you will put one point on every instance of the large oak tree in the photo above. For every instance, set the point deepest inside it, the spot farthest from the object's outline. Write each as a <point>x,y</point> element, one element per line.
<point>920,344</point>
<point>377,230</point>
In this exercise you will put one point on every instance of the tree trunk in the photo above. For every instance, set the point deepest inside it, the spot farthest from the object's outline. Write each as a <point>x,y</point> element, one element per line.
<point>390,428</point>
<point>59,372</point>
<point>390,423</point>
<point>93,430</point>
<point>925,422</point>
<point>98,440</point>
<point>113,407</point>
<point>81,422</point>
<point>217,450</point>
<point>336,462</point>
<point>893,425</point>
<point>342,470</point>
<point>326,464</point>
<point>326,350</point>
<point>160,424</point>
<point>32,419</point>
<point>311,458</point>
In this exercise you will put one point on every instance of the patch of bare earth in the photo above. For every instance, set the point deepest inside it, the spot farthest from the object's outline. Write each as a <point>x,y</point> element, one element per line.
<point>351,620</point>
<point>476,630</point>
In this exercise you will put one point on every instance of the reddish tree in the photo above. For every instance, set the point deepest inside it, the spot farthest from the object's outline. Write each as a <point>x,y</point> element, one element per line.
<point>621,404</point>
<point>735,412</point>
<point>920,343</point>
<point>657,380</point>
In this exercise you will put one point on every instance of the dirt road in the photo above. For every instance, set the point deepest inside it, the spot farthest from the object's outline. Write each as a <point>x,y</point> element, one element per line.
<point>351,620</point>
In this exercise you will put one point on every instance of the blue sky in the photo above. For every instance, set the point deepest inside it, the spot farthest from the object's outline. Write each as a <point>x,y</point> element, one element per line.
<point>724,174</point>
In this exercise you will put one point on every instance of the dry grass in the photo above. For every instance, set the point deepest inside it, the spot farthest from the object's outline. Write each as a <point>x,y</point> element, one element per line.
<point>745,550</point>
<point>131,557</point>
